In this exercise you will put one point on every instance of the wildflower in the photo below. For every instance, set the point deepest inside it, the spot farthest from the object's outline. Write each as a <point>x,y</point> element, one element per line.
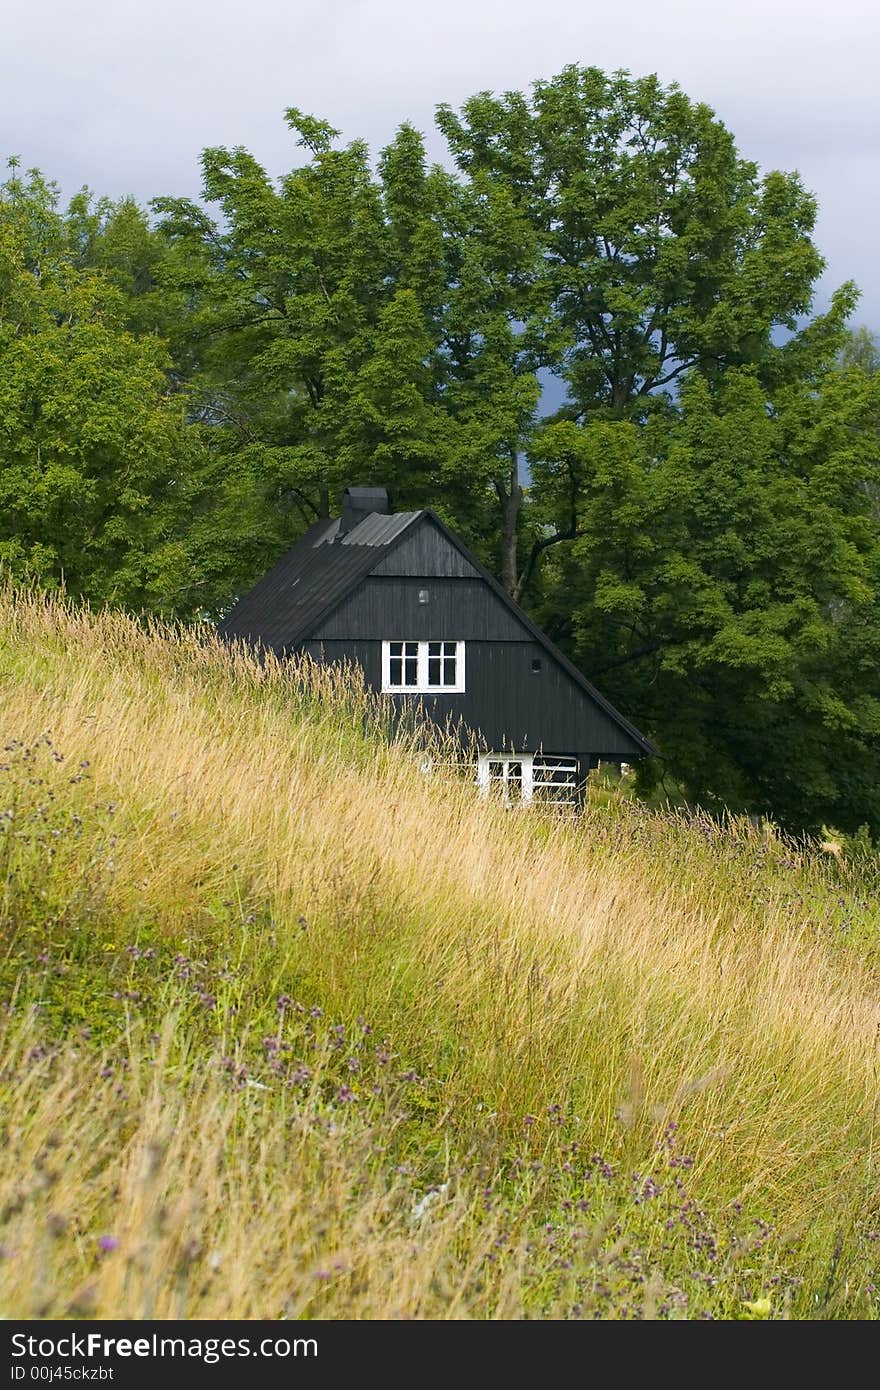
<point>759,1308</point>
<point>108,1243</point>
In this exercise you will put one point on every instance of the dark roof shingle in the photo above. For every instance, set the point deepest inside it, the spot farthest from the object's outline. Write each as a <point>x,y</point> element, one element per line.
<point>310,579</point>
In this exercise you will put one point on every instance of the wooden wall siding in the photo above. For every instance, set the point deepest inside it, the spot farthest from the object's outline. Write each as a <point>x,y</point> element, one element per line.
<point>426,552</point>
<point>463,610</point>
<point>505,702</point>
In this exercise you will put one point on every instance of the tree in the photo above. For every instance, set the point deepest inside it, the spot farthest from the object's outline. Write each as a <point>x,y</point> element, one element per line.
<point>723,587</point>
<point>860,349</point>
<point>358,327</point>
<point>661,250</point>
<point>95,472</point>
<point>702,537</point>
<point>313,312</point>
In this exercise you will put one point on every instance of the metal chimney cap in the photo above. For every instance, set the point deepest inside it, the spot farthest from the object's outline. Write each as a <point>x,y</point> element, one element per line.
<point>367,499</point>
<point>359,502</point>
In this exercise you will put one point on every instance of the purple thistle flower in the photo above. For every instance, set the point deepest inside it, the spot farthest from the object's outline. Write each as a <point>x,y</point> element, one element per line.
<point>108,1243</point>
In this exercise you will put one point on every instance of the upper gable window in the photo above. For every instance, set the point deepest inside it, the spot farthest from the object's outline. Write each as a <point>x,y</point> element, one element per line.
<point>423,667</point>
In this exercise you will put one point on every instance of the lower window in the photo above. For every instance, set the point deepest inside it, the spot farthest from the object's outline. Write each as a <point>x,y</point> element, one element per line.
<point>507,776</point>
<point>517,778</point>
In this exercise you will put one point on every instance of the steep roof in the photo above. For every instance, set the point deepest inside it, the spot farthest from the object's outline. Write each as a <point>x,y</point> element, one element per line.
<point>311,579</point>
<point>323,569</point>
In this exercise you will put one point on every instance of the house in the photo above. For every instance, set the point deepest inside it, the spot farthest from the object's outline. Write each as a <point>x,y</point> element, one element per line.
<point>399,594</point>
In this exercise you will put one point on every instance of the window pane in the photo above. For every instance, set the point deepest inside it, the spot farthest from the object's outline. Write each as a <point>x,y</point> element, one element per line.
<point>448,669</point>
<point>433,666</point>
<point>412,648</point>
<point>394,668</point>
<point>395,648</point>
<point>411,669</point>
<point>434,648</point>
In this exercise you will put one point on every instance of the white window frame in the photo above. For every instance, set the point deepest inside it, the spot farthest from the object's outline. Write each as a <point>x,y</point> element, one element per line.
<point>421,686</point>
<point>524,782</point>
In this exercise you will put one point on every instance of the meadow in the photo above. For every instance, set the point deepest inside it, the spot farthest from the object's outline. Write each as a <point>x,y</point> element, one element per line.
<point>291,1029</point>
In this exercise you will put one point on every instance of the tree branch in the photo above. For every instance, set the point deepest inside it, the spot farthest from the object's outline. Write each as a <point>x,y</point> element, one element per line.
<point>535,553</point>
<point>648,650</point>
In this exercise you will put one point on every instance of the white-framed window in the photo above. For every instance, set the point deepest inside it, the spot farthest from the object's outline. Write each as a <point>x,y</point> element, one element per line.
<point>521,778</point>
<point>422,668</point>
<point>506,775</point>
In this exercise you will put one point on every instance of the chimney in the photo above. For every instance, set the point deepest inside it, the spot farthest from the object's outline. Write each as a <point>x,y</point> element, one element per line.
<point>358,502</point>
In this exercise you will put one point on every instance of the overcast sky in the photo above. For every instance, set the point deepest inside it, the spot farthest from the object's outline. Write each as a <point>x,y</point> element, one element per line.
<point>123,94</point>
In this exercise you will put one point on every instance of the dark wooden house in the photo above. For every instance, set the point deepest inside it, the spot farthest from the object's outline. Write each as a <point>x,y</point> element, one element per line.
<point>399,594</point>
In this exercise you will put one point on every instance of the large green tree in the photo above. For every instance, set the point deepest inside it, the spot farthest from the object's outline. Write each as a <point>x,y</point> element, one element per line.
<point>350,325</point>
<point>97,470</point>
<point>313,307</point>
<point>723,588</point>
<point>660,249</point>
<point>699,507</point>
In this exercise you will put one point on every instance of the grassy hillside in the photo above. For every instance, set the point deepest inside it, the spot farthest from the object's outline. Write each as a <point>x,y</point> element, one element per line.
<point>292,1030</point>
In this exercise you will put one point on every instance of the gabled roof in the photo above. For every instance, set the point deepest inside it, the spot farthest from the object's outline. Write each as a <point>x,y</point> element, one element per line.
<point>312,578</point>
<point>321,570</point>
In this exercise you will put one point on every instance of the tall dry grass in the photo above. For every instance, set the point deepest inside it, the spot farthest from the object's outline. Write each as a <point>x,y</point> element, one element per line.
<point>299,1031</point>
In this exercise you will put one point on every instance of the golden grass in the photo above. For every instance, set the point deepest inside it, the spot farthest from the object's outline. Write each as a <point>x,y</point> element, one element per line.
<point>630,969</point>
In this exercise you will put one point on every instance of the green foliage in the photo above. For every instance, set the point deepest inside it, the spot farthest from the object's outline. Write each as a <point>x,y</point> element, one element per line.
<point>661,248</point>
<point>722,587</point>
<point>93,451</point>
<point>307,337</point>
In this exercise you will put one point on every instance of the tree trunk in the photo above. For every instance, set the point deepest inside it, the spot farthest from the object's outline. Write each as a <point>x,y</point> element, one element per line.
<point>323,504</point>
<point>511,505</point>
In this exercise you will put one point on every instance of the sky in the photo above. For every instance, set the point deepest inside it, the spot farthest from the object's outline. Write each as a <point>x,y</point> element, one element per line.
<point>122,95</point>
